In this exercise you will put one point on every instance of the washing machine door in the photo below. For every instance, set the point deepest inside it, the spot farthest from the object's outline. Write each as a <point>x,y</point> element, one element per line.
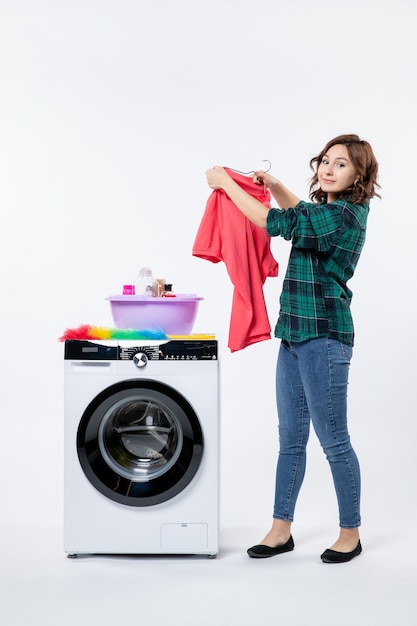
<point>139,442</point>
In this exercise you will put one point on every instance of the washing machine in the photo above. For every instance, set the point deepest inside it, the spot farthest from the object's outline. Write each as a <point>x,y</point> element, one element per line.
<point>141,447</point>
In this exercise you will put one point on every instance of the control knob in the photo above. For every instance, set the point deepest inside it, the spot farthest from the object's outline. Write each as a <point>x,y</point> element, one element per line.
<point>140,359</point>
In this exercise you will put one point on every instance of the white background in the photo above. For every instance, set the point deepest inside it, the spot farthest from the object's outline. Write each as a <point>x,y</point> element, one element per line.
<point>110,113</point>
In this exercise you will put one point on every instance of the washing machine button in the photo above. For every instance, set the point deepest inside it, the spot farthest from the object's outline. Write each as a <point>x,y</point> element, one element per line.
<point>140,359</point>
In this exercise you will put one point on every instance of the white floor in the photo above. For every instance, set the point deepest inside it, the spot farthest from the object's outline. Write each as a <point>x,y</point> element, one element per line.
<point>40,586</point>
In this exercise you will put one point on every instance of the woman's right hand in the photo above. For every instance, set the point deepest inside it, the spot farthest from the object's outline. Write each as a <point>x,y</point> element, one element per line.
<point>217,177</point>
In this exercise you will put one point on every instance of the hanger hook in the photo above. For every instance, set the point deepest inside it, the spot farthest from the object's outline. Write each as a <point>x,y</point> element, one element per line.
<point>252,171</point>
<point>269,166</point>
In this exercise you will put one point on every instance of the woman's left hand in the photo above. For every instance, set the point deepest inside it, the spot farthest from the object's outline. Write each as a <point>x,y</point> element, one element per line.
<point>217,177</point>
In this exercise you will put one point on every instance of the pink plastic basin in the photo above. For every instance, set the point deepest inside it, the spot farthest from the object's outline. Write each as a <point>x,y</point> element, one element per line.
<point>174,316</point>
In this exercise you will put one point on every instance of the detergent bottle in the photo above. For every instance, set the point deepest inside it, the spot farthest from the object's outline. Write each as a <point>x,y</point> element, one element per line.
<point>144,284</point>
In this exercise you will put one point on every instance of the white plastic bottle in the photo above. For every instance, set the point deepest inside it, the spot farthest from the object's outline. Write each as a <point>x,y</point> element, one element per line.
<point>144,282</point>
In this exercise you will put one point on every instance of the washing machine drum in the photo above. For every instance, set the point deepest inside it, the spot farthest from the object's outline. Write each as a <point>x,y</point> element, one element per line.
<point>139,442</point>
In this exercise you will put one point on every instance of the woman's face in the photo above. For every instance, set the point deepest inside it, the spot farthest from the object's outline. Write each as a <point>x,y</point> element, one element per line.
<point>336,172</point>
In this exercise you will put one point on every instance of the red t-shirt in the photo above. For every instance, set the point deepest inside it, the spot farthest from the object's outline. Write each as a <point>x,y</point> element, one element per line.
<point>225,234</point>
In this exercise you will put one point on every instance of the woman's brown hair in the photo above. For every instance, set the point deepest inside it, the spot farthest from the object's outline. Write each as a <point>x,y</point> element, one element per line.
<point>365,163</point>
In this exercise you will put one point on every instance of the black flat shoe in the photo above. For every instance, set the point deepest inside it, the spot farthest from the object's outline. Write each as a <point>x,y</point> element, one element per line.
<point>332,556</point>
<point>261,551</point>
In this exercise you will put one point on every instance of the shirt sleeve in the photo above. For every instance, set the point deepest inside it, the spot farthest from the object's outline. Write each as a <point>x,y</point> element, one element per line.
<point>308,225</point>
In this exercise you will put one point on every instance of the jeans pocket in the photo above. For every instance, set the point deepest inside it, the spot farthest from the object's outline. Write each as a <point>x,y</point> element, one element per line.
<point>346,351</point>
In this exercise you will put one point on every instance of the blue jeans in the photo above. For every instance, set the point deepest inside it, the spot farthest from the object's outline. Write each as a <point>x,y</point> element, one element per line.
<point>311,384</point>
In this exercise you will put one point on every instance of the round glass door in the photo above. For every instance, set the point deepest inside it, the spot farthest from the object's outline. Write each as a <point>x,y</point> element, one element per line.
<point>139,442</point>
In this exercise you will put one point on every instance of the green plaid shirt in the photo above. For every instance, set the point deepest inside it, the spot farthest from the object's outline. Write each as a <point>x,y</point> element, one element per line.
<point>327,240</point>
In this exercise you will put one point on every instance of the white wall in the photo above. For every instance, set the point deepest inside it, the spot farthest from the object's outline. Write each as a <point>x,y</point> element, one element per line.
<point>111,111</point>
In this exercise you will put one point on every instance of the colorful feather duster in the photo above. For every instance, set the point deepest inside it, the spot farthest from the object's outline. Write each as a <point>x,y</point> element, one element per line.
<point>86,332</point>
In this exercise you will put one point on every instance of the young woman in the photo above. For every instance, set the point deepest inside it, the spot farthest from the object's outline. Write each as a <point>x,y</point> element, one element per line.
<point>315,326</point>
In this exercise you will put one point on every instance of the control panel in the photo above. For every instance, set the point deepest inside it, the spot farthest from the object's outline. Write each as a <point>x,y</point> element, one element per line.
<point>176,350</point>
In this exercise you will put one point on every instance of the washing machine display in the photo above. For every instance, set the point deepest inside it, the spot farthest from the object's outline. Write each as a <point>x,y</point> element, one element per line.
<point>140,442</point>
<point>141,436</point>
